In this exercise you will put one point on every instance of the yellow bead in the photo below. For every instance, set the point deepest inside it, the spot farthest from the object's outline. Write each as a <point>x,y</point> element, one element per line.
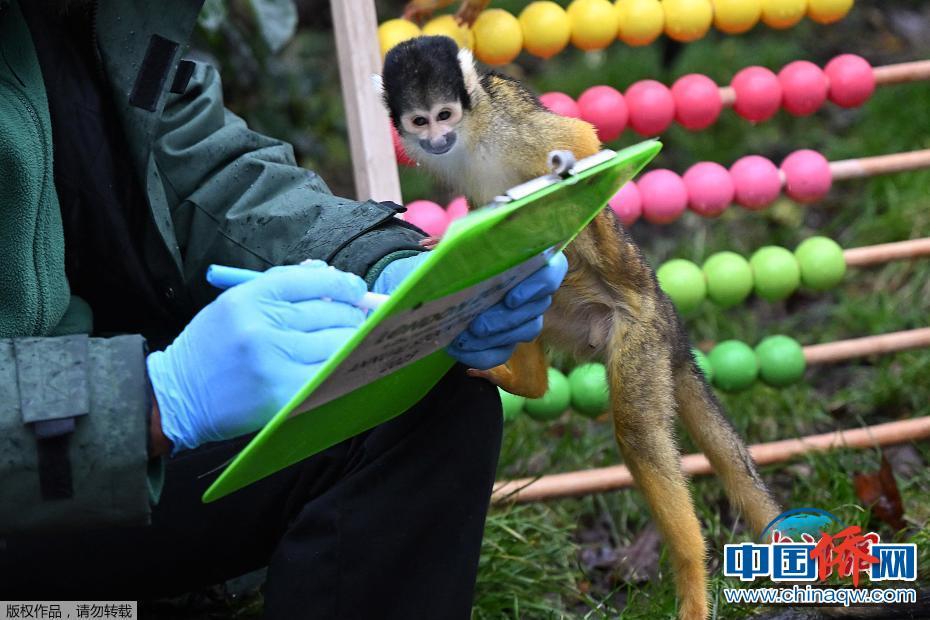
<point>736,16</point>
<point>546,28</point>
<point>828,11</point>
<point>783,13</point>
<point>687,20</point>
<point>640,21</point>
<point>393,31</point>
<point>594,24</point>
<point>447,26</point>
<point>498,37</point>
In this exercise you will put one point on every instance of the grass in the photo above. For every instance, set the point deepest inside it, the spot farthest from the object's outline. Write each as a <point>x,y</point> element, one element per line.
<point>530,565</point>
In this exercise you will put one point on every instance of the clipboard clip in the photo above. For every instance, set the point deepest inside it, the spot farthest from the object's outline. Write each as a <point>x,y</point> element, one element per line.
<point>562,165</point>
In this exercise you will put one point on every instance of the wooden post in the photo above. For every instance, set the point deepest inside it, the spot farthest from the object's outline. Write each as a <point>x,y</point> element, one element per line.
<point>374,167</point>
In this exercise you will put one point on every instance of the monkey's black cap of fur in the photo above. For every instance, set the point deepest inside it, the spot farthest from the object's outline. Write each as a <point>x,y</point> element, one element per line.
<point>421,71</point>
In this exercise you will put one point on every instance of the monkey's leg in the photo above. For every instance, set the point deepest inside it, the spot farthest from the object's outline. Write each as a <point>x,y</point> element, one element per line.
<point>643,404</point>
<point>703,417</point>
<point>524,374</point>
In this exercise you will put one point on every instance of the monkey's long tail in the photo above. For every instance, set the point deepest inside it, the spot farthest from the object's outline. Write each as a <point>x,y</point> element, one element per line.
<point>705,421</point>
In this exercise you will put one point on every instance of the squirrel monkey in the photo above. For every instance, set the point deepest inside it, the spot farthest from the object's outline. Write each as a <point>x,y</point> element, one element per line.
<point>483,133</point>
<point>419,10</point>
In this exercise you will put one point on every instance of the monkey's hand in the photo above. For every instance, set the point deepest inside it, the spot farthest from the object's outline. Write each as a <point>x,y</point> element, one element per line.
<point>430,242</point>
<point>469,10</point>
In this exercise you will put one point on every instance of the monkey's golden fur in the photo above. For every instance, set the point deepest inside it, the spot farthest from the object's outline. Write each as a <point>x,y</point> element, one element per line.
<point>610,309</point>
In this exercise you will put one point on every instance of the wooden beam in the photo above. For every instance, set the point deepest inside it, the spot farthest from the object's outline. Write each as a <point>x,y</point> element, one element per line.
<point>374,167</point>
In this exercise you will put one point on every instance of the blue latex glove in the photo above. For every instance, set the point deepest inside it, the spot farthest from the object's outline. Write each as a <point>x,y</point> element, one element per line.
<point>248,352</point>
<point>490,338</point>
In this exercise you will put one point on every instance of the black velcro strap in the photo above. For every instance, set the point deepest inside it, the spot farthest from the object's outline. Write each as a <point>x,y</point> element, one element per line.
<point>182,77</point>
<point>53,391</point>
<point>153,73</point>
<point>52,437</point>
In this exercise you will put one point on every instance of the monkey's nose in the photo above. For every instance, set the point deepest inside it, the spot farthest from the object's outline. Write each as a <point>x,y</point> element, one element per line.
<point>440,145</point>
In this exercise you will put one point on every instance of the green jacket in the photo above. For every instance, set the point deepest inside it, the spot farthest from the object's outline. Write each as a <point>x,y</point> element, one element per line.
<point>217,192</point>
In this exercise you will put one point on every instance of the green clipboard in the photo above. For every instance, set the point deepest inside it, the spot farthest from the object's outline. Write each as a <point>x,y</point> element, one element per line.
<point>398,353</point>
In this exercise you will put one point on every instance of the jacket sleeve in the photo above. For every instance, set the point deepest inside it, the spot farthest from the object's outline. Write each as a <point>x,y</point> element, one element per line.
<point>239,198</point>
<point>73,434</point>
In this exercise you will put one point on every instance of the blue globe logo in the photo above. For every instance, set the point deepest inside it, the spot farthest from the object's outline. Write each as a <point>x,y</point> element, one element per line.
<point>797,521</point>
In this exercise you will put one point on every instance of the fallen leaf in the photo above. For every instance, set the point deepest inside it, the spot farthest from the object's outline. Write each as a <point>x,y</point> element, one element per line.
<point>879,492</point>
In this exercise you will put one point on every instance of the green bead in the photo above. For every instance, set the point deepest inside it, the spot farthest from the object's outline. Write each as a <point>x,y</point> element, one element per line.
<point>554,402</point>
<point>729,278</point>
<point>822,263</point>
<point>590,395</point>
<point>703,364</point>
<point>683,282</point>
<point>512,405</point>
<point>781,360</point>
<point>775,272</point>
<point>735,365</point>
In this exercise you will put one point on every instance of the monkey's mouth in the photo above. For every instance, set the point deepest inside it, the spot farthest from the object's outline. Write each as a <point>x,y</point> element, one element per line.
<point>444,145</point>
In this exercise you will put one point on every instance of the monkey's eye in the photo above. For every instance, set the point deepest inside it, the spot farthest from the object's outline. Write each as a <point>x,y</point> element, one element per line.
<point>444,115</point>
<point>419,121</point>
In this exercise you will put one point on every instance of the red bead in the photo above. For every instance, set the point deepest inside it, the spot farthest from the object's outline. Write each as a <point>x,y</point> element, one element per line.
<point>627,204</point>
<point>852,80</point>
<point>803,86</point>
<point>457,208</point>
<point>664,196</point>
<point>758,93</point>
<point>560,103</point>
<point>651,107</point>
<point>756,181</point>
<point>807,175</point>
<point>402,158</point>
<point>604,107</point>
<point>697,101</point>
<point>710,188</point>
<point>427,216</point>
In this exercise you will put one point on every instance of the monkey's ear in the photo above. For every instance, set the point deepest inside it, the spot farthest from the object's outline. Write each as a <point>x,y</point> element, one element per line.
<point>378,84</point>
<point>469,72</point>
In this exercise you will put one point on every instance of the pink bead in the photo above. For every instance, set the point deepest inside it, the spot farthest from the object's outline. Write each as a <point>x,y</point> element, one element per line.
<point>663,195</point>
<point>560,103</point>
<point>710,188</point>
<point>758,93</point>
<point>627,204</point>
<point>803,86</point>
<point>852,80</point>
<point>756,181</point>
<point>651,107</point>
<point>604,107</point>
<point>402,158</point>
<point>697,101</point>
<point>807,175</point>
<point>457,208</point>
<point>427,216</point>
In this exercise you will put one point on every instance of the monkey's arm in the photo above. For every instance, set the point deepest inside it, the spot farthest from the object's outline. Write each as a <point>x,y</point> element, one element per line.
<point>469,10</point>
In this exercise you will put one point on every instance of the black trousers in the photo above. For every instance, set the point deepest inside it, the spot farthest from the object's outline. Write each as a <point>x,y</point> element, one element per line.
<point>385,525</point>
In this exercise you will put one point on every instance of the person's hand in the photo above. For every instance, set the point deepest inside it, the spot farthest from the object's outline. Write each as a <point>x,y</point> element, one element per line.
<point>492,336</point>
<point>248,352</point>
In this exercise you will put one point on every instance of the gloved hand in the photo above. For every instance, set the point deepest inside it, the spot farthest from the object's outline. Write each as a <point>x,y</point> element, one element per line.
<point>248,352</point>
<point>490,338</point>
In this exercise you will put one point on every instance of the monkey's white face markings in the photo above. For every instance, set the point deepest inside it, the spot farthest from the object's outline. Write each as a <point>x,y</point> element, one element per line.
<point>434,129</point>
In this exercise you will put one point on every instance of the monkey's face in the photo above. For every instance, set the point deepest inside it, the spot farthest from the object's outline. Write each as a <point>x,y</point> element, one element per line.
<point>434,129</point>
